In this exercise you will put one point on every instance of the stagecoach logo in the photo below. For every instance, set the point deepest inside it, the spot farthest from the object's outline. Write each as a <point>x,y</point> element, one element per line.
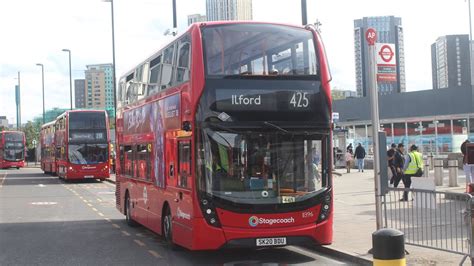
<point>254,221</point>
<point>181,214</point>
<point>88,167</point>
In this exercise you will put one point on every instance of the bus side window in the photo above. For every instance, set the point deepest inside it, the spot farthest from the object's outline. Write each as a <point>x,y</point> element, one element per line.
<point>143,161</point>
<point>121,87</point>
<point>121,158</point>
<point>167,68</point>
<point>182,70</point>
<point>184,163</point>
<point>141,78</point>
<point>130,89</point>
<point>154,76</point>
<point>128,159</point>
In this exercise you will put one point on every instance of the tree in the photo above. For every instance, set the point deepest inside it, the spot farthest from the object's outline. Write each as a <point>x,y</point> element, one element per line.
<point>32,132</point>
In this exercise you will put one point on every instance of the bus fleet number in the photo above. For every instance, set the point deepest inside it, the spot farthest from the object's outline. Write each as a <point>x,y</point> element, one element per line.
<point>299,100</point>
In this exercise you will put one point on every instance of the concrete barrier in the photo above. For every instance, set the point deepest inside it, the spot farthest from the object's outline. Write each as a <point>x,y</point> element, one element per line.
<point>453,173</point>
<point>438,172</point>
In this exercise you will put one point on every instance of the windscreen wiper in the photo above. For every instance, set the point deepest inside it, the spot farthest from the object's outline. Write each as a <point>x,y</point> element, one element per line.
<point>275,126</point>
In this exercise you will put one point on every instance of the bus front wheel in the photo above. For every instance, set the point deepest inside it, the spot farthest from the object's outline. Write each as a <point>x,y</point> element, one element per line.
<point>128,212</point>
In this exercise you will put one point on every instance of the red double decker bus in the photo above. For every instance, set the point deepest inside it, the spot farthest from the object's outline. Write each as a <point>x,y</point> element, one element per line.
<point>224,138</point>
<point>12,149</point>
<point>48,149</point>
<point>80,146</point>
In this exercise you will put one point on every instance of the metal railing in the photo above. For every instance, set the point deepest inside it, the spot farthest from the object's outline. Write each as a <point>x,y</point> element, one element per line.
<point>431,219</point>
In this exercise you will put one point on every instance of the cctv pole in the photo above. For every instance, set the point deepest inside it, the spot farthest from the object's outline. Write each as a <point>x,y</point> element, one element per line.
<point>175,24</point>
<point>371,37</point>
<point>304,18</point>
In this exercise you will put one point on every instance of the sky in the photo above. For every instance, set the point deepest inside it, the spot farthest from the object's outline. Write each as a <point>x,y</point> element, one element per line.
<point>36,31</point>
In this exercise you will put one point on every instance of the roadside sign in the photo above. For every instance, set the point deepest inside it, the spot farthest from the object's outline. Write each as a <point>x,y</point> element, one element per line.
<point>386,53</point>
<point>371,36</point>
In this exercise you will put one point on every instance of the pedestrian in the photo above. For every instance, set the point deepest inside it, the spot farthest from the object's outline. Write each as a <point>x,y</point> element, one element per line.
<point>348,161</point>
<point>360,155</point>
<point>391,157</point>
<point>349,149</point>
<point>413,167</point>
<point>398,164</point>
<point>468,169</point>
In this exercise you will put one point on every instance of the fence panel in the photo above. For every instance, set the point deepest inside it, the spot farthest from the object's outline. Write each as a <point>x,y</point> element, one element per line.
<point>431,219</point>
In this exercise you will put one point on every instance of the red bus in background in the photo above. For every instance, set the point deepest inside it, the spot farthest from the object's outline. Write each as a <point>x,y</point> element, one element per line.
<point>12,149</point>
<point>224,138</point>
<point>48,160</point>
<point>81,143</point>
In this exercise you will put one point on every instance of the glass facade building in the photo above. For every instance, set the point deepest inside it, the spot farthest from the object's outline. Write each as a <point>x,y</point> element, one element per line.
<point>437,121</point>
<point>435,135</point>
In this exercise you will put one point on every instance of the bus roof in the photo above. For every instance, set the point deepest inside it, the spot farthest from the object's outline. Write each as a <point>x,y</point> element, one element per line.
<point>199,25</point>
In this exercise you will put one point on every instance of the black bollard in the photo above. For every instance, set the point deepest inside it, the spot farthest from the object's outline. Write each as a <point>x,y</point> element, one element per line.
<point>388,247</point>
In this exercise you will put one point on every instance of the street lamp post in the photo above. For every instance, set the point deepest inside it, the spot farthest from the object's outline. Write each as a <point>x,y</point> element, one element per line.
<point>470,41</point>
<point>113,54</point>
<point>70,75</point>
<point>42,82</point>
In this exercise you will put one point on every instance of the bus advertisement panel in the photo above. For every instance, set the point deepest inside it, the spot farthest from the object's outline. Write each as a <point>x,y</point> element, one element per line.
<point>12,149</point>
<point>224,138</point>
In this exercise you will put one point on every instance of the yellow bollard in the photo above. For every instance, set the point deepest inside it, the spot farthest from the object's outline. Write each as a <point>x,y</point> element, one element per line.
<point>388,247</point>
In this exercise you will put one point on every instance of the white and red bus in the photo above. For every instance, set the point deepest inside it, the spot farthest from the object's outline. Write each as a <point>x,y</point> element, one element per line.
<point>48,160</point>
<point>224,138</point>
<point>12,149</point>
<point>80,148</point>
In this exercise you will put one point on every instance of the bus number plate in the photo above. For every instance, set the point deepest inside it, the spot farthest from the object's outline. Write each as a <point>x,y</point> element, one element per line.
<point>275,241</point>
<point>88,176</point>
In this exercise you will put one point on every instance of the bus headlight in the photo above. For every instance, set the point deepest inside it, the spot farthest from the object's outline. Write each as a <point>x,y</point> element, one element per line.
<point>209,212</point>
<point>325,207</point>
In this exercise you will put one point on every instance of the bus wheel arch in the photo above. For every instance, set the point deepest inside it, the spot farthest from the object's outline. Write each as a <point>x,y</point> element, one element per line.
<point>128,208</point>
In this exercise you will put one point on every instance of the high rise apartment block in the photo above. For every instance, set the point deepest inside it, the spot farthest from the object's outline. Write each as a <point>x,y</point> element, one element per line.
<point>196,18</point>
<point>450,62</point>
<point>80,93</point>
<point>228,10</point>
<point>99,92</point>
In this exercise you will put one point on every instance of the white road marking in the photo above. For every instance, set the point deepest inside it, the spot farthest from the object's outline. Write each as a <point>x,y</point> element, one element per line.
<point>43,203</point>
<point>155,254</point>
<point>140,243</point>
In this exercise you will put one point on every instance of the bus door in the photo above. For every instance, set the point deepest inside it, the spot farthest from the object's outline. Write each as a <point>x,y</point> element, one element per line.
<point>183,195</point>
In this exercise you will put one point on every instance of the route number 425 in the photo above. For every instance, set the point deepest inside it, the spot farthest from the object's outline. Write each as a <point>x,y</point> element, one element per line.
<point>299,100</point>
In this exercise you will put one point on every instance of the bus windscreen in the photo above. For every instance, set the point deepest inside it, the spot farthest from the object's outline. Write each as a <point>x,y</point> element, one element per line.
<point>259,50</point>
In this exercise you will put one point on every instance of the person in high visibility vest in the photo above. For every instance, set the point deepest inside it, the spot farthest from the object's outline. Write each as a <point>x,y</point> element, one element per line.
<point>413,162</point>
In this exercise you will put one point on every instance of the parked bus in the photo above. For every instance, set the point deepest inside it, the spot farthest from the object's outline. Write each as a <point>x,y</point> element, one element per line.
<point>81,143</point>
<point>224,138</point>
<point>12,149</point>
<point>48,160</point>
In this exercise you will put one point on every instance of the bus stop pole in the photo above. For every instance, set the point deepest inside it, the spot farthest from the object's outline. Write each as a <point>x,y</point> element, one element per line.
<point>371,39</point>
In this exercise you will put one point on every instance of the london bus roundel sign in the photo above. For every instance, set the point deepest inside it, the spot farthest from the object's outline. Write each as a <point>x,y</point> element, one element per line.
<point>371,36</point>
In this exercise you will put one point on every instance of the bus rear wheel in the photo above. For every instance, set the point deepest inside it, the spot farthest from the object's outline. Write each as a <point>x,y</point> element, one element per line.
<point>128,212</point>
<point>167,226</point>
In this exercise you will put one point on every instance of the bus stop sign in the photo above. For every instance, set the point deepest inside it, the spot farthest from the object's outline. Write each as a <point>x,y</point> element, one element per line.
<point>371,36</point>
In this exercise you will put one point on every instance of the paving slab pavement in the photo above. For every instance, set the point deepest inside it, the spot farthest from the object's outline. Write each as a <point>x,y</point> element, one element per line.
<point>354,219</point>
